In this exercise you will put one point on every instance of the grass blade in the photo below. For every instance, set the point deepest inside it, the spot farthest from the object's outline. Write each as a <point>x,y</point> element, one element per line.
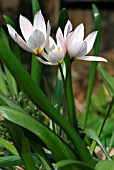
<point>7,145</point>
<point>3,87</point>
<point>94,64</point>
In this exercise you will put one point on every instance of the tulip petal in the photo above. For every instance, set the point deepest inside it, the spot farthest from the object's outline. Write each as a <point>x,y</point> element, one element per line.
<point>50,45</point>
<point>78,34</point>
<point>59,35</point>
<point>73,48</point>
<point>18,39</point>
<point>48,31</point>
<point>50,57</point>
<point>83,49</point>
<point>39,23</point>
<point>68,29</point>
<point>92,58</point>
<point>36,40</point>
<point>90,39</point>
<point>26,27</point>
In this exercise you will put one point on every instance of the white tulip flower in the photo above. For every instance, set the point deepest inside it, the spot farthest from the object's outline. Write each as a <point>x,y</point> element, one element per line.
<point>35,36</point>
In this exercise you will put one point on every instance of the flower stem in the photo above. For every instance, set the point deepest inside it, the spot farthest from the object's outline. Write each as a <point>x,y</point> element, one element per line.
<point>69,95</point>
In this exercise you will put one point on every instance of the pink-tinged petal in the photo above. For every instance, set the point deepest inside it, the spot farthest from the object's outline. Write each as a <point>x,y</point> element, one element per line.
<point>42,61</point>
<point>26,27</point>
<point>90,39</point>
<point>68,29</point>
<point>73,48</point>
<point>92,58</point>
<point>78,34</point>
<point>18,39</point>
<point>83,49</point>
<point>59,35</point>
<point>36,40</point>
<point>39,22</point>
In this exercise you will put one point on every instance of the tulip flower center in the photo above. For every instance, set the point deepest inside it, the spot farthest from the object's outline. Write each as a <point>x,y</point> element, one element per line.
<point>59,49</point>
<point>38,52</point>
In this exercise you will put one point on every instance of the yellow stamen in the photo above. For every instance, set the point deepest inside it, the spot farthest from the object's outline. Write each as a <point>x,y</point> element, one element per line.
<point>27,41</point>
<point>59,49</point>
<point>37,52</point>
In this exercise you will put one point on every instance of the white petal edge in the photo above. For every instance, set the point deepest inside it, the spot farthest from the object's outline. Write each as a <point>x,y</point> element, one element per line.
<point>18,39</point>
<point>42,61</point>
<point>39,22</point>
<point>68,29</point>
<point>92,58</point>
<point>90,39</point>
<point>26,27</point>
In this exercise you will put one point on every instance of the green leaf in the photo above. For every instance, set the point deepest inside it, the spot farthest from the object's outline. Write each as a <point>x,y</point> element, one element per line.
<point>99,131</point>
<point>70,102</point>
<point>79,164</point>
<point>59,89</point>
<point>9,161</point>
<point>92,134</point>
<point>58,148</point>
<point>41,154</point>
<point>105,165</point>
<point>22,145</point>
<point>12,85</point>
<point>7,145</point>
<point>97,21</point>
<point>4,38</point>
<point>9,21</point>
<point>35,6</point>
<point>63,18</point>
<point>3,87</point>
<point>6,101</point>
<point>108,80</point>
<point>14,45</point>
<point>11,81</point>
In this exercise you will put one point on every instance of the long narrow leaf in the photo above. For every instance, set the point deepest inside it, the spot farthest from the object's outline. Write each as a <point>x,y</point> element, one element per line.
<point>10,80</point>
<point>99,131</point>
<point>94,64</point>
<point>92,134</point>
<point>10,161</point>
<point>42,156</point>
<point>79,164</point>
<point>22,145</point>
<point>108,80</point>
<point>6,101</point>
<point>12,85</point>
<point>47,136</point>
<point>105,165</point>
<point>3,86</point>
<point>15,47</point>
<point>7,145</point>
